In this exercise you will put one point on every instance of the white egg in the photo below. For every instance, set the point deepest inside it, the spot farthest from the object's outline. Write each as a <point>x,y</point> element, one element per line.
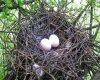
<point>45,44</point>
<point>54,40</point>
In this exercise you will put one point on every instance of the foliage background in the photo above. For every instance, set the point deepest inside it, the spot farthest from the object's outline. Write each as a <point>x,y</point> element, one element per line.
<point>85,12</point>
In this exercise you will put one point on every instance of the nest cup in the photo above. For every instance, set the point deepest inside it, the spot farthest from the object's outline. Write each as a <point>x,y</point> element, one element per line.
<point>63,62</point>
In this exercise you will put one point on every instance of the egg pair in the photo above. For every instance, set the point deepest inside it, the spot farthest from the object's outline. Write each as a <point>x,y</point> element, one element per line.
<point>47,44</point>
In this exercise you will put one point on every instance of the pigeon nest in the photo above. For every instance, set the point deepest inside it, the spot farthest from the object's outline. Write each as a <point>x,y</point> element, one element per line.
<point>69,61</point>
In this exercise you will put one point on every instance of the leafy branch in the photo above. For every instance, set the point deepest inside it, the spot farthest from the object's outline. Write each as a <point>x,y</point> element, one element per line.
<point>14,5</point>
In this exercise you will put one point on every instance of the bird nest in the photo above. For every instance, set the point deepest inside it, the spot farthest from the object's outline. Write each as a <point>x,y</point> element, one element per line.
<point>68,61</point>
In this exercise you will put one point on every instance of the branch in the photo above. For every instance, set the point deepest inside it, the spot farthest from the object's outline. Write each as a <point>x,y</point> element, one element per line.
<point>41,2</point>
<point>15,5</point>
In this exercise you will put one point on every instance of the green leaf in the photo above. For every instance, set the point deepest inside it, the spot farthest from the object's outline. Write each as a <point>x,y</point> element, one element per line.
<point>8,3</point>
<point>6,10</point>
<point>20,2</point>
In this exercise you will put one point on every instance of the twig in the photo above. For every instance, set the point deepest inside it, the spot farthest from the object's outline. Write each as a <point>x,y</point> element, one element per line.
<point>14,5</point>
<point>42,5</point>
<point>19,17</point>
<point>50,75</point>
<point>7,32</point>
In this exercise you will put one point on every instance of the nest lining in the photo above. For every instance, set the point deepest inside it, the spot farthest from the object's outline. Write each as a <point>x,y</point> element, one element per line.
<point>65,61</point>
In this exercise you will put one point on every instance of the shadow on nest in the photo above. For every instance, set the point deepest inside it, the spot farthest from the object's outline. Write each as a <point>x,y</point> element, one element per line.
<point>69,61</point>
